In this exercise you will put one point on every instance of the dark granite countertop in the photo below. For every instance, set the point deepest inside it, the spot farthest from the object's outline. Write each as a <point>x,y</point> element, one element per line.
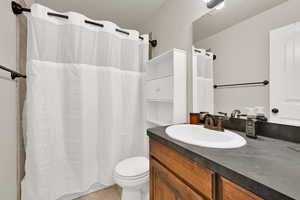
<point>267,167</point>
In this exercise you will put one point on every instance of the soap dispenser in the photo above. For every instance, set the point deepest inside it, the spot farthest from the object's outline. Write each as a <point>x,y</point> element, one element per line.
<point>250,123</point>
<point>260,114</point>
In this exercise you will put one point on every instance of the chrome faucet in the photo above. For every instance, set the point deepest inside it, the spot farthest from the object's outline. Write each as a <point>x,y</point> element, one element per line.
<point>209,120</point>
<point>235,114</point>
<point>224,115</point>
<point>214,122</point>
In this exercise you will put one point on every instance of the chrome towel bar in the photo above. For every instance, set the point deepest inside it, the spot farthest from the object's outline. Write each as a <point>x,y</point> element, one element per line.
<point>263,83</point>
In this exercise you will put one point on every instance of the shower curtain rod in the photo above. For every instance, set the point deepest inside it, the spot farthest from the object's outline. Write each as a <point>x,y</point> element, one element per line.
<point>13,73</point>
<point>18,9</point>
<point>214,56</point>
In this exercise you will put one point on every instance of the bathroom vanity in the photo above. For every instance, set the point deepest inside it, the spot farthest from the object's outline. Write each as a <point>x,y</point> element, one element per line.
<point>246,62</point>
<point>265,168</point>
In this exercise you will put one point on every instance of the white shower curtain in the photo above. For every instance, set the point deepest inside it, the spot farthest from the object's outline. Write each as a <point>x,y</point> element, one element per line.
<point>204,81</point>
<point>85,103</point>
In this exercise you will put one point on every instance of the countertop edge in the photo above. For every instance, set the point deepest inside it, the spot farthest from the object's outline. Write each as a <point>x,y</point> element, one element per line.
<point>253,186</point>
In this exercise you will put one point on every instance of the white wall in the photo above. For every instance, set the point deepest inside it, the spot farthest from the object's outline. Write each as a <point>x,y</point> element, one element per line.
<point>172,27</point>
<point>8,144</point>
<point>172,24</point>
<point>243,56</point>
<point>29,2</point>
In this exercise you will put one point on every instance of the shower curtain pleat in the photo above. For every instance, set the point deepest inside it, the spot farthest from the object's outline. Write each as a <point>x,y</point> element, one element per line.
<point>205,82</point>
<point>84,104</point>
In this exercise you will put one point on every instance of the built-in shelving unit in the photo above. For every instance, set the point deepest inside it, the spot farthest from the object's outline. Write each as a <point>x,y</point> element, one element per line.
<point>166,88</point>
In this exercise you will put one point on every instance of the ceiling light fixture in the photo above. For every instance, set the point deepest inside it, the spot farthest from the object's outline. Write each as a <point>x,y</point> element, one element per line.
<point>206,1</point>
<point>218,4</point>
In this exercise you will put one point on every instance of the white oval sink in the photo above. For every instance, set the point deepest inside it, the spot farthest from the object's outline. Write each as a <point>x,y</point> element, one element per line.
<point>200,136</point>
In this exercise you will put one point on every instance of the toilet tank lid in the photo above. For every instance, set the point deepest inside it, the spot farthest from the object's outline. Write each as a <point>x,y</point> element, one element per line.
<point>133,166</point>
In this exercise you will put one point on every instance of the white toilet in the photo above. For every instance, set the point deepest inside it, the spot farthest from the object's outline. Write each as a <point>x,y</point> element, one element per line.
<point>132,175</point>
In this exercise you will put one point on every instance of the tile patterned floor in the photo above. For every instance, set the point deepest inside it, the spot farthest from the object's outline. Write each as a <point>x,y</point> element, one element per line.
<point>111,193</point>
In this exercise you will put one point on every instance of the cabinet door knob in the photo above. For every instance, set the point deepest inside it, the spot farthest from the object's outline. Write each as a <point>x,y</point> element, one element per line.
<point>275,110</point>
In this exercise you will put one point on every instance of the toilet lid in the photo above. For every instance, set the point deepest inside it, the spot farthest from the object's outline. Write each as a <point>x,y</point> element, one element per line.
<point>133,167</point>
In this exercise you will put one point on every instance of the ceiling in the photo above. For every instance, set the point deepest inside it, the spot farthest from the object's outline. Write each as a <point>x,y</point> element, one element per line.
<point>128,14</point>
<point>234,12</point>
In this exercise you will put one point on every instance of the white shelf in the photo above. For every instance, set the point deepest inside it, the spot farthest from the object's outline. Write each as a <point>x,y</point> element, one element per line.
<point>166,88</point>
<point>163,66</point>
<point>161,100</point>
<point>158,59</point>
<point>203,78</point>
<point>159,111</point>
<point>159,77</point>
<point>160,89</point>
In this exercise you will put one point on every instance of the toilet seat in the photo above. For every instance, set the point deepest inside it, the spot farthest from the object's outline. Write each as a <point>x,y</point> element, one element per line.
<point>146,174</point>
<point>132,168</point>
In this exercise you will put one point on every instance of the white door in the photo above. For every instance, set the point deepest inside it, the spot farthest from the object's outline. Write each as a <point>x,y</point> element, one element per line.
<point>285,75</point>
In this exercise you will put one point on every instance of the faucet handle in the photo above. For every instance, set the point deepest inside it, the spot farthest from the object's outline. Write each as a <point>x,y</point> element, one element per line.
<point>242,115</point>
<point>203,113</point>
<point>219,120</point>
<point>223,113</point>
<point>202,116</point>
<point>235,113</point>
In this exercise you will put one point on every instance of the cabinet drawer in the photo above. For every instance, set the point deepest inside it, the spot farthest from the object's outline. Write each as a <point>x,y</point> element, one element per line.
<point>160,89</point>
<point>231,191</point>
<point>166,186</point>
<point>198,177</point>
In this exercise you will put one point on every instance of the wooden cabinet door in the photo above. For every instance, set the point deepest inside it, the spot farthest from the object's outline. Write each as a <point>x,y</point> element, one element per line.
<point>230,191</point>
<point>198,177</point>
<point>166,186</point>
